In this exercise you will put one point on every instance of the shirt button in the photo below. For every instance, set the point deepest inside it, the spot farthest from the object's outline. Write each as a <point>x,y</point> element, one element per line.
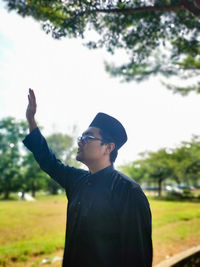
<point>79,203</point>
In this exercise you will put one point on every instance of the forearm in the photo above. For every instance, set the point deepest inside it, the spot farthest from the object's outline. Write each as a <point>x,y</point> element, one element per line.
<point>32,124</point>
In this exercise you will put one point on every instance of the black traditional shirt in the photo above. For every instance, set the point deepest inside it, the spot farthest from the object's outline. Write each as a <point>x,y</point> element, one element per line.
<point>108,215</point>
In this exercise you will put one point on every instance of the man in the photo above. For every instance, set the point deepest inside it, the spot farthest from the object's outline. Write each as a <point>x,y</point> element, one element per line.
<point>108,215</point>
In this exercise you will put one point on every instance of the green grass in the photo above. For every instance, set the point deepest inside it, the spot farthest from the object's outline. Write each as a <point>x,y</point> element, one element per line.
<point>29,229</point>
<point>176,226</point>
<point>166,212</point>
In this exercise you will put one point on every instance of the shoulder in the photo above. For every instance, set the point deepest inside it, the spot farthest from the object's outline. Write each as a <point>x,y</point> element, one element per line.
<point>123,181</point>
<point>125,188</point>
<point>73,172</point>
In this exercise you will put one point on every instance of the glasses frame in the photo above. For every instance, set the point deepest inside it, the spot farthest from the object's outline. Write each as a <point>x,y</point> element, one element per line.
<point>86,138</point>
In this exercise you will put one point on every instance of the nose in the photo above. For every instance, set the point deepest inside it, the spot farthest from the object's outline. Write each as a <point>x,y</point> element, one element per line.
<point>80,144</point>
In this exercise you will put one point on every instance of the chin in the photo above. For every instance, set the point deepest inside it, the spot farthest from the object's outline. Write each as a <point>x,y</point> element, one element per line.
<point>81,159</point>
<point>78,158</point>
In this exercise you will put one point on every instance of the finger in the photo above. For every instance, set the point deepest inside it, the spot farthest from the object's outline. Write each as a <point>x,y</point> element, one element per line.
<point>30,91</point>
<point>32,97</point>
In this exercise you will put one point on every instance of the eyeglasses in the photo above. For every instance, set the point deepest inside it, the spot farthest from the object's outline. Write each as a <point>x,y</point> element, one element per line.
<point>86,138</point>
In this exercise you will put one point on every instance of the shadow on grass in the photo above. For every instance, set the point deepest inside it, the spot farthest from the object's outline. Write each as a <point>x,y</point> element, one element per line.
<point>11,198</point>
<point>176,198</point>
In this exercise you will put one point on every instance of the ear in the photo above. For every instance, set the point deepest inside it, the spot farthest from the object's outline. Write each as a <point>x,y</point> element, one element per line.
<point>110,147</point>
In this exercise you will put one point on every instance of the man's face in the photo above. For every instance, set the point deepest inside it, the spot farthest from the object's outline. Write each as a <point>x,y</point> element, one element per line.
<point>92,150</point>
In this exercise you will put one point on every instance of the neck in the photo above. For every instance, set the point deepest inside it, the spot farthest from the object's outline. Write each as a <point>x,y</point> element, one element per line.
<point>98,166</point>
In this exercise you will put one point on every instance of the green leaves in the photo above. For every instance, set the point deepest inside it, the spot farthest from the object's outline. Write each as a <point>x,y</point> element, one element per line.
<point>138,27</point>
<point>177,165</point>
<point>11,133</point>
<point>18,168</point>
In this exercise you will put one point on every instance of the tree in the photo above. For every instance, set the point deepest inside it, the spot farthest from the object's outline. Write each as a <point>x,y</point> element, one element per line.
<point>159,167</point>
<point>180,164</point>
<point>62,146</point>
<point>11,135</point>
<point>154,167</point>
<point>135,171</point>
<point>186,160</point>
<point>159,36</point>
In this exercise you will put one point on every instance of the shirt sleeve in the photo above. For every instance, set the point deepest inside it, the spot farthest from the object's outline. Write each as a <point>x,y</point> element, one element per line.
<point>135,229</point>
<point>63,174</point>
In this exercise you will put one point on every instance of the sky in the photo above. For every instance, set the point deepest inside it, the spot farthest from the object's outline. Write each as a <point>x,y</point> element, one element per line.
<point>72,86</point>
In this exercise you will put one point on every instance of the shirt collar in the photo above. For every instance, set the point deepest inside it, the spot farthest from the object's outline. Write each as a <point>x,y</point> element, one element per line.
<point>104,172</point>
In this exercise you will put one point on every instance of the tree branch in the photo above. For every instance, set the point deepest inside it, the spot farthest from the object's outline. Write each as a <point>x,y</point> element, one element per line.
<point>193,8</point>
<point>141,9</point>
<point>184,4</point>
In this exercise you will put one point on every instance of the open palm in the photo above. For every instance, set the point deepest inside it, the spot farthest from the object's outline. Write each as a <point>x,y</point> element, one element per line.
<point>31,108</point>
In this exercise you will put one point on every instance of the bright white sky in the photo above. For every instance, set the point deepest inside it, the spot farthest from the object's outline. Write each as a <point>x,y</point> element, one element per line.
<point>71,86</point>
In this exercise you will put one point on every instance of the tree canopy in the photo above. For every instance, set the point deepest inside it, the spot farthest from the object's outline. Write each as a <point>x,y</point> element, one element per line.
<point>159,36</point>
<point>180,165</point>
<point>18,169</point>
<point>11,131</point>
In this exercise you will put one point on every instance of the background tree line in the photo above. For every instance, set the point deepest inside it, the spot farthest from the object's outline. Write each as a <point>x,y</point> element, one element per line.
<point>180,165</point>
<point>18,168</point>
<point>20,172</point>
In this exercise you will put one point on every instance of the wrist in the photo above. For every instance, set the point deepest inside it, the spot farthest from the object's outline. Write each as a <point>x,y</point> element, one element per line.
<point>32,124</point>
<point>31,120</point>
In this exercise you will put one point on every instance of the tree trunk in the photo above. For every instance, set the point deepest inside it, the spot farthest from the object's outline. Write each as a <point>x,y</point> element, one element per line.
<point>23,193</point>
<point>6,194</point>
<point>159,187</point>
<point>54,190</point>
<point>33,190</point>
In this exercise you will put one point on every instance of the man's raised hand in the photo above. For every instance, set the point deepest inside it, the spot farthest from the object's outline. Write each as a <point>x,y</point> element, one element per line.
<point>31,110</point>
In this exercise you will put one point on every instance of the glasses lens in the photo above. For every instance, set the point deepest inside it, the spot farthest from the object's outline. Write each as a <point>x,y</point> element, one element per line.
<point>79,139</point>
<point>82,139</point>
<point>86,138</point>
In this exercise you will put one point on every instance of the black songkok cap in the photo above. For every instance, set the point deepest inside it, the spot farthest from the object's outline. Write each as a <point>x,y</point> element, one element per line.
<point>112,127</point>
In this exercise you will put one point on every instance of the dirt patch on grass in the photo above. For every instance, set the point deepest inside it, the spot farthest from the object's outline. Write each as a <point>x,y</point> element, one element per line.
<point>160,253</point>
<point>169,240</point>
<point>164,253</point>
<point>36,261</point>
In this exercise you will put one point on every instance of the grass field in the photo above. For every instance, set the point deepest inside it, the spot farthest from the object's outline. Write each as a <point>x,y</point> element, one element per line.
<point>30,231</point>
